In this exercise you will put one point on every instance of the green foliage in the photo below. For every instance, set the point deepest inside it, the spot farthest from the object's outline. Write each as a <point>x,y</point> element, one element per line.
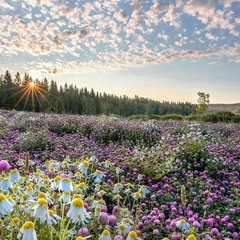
<point>172,117</point>
<point>139,117</point>
<point>236,119</point>
<point>222,116</point>
<point>48,97</point>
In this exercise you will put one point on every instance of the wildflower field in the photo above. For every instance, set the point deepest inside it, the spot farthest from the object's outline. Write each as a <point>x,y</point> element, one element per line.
<point>85,177</point>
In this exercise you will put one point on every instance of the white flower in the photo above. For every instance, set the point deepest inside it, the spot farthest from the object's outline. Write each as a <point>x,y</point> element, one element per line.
<point>93,158</point>
<point>107,163</point>
<point>144,191</point>
<point>14,175</point>
<point>83,167</point>
<point>29,191</point>
<point>123,229</point>
<point>41,209</point>
<point>117,188</point>
<point>182,224</point>
<point>65,197</point>
<point>27,231</point>
<point>66,184</point>
<point>98,175</point>
<point>5,184</point>
<point>132,235</point>
<point>119,170</point>
<point>98,203</point>
<point>56,182</point>
<point>77,212</point>
<point>105,235</point>
<point>52,217</point>
<point>5,205</point>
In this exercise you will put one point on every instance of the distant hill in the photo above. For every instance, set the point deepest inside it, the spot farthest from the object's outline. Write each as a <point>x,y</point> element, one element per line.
<point>234,107</point>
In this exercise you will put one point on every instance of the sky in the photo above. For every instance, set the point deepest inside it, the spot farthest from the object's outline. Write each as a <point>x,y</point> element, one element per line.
<point>164,50</point>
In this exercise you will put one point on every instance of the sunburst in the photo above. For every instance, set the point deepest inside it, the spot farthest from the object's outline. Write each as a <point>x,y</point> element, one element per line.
<point>32,89</point>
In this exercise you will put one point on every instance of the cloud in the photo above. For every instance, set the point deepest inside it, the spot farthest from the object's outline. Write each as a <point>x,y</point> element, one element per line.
<point>102,34</point>
<point>210,36</point>
<point>121,16</point>
<point>5,6</point>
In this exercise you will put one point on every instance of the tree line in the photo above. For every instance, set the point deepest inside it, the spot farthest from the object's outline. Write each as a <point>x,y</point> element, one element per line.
<point>26,94</point>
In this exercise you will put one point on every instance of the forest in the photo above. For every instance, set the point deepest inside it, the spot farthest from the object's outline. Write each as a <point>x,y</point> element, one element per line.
<point>22,93</point>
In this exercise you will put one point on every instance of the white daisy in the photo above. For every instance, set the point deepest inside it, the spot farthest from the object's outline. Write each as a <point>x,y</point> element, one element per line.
<point>105,235</point>
<point>66,184</point>
<point>41,209</point>
<point>5,205</point>
<point>98,175</point>
<point>132,235</point>
<point>27,231</point>
<point>77,212</point>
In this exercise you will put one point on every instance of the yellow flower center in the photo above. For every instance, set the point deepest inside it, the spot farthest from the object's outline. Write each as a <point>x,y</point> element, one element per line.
<point>132,234</point>
<point>118,196</point>
<point>182,221</point>
<point>55,195</point>
<point>50,212</point>
<point>2,197</point>
<point>82,184</point>
<point>28,225</point>
<point>29,188</point>
<point>85,163</point>
<point>5,179</point>
<point>137,194</point>
<point>122,227</point>
<point>98,172</point>
<point>15,219</point>
<point>14,171</point>
<point>191,237</point>
<point>101,192</point>
<point>80,238</point>
<point>41,195</point>
<point>126,220</point>
<point>57,178</point>
<point>100,201</point>
<point>78,202</point>
<point>106,232</point>
<point>124,210</point>
<point>42,202</point>
<point>67,192</point>
<point>98,209</point>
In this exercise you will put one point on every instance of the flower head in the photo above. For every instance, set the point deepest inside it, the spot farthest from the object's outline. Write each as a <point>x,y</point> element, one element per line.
<point>132,235</point>
<point>27,231</point>
<point>77,212</point>
<point>105,235</point>
<point>4,165</point>
<point>182,224</point>
<point>5,205</point>
<point>41,209</point>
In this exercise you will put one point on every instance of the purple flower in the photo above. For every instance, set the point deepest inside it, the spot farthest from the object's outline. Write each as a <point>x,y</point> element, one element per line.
<point>214,232</point>
<point>103,218</point>
<point>83,231</point>
<point>4,165</point>
<point>112,220</point>
<point>118,237</point>
<point>155,232</point>
<point>196,224</point>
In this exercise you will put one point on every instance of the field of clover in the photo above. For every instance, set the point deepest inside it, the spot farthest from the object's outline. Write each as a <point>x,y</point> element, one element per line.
<point>101,178</point>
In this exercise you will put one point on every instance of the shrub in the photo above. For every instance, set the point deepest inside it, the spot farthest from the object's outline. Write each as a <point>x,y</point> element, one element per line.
<point>172,117</point>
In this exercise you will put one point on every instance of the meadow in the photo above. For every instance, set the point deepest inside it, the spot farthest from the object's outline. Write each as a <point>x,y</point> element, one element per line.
<point>87,177</point>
